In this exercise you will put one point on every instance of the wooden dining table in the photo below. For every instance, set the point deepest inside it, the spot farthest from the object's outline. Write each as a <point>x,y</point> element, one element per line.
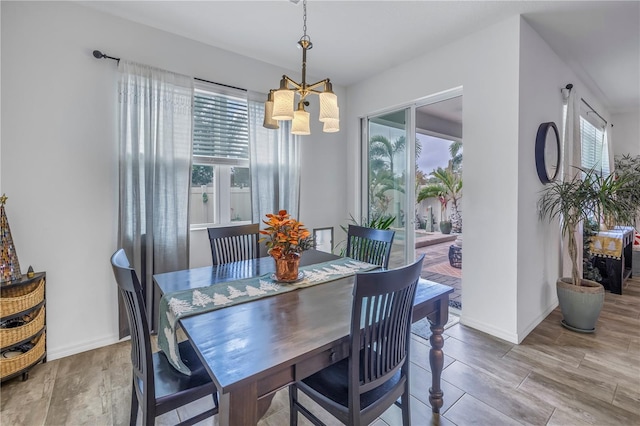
<point>253,349</point>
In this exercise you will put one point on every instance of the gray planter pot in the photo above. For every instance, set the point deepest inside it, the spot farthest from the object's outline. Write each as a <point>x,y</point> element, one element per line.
<point>445,227</point>
<point>580,305</point>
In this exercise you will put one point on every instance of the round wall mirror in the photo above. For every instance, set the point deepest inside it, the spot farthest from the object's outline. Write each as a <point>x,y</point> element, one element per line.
<point>547,152</point>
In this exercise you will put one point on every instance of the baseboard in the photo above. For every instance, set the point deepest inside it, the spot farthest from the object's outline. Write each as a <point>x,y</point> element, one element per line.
<point>516,338</point>
<point>485,328</point>
<point>53,354</point>
<point>537,321</point>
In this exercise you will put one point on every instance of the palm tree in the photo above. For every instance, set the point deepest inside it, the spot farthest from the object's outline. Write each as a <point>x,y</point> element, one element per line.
<point>382,175</point>
<point>447,186</point>
<point>380,181</point>
<point>455,149</point>
<point>383,150</point>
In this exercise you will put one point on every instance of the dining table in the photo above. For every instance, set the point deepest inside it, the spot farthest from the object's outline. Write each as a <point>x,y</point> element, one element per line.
<point>253,349</point>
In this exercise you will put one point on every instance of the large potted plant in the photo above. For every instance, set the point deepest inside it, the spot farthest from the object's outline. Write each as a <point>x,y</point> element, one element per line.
<point>572,202</point>
<point>446,185</point>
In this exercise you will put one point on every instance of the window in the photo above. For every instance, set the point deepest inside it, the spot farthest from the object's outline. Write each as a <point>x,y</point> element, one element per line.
<point>595,153</point>
<point>220,179</point>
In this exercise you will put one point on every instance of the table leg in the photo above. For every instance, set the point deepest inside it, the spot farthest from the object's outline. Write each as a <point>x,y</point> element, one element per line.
<point>240,406</point>
<point>436,360</point>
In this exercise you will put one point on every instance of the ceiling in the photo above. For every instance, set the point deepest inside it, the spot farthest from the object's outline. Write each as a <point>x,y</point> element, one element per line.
<point>353,40</point>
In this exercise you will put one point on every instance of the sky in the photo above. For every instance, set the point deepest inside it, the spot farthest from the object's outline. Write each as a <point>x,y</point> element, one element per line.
<point>435,153</point>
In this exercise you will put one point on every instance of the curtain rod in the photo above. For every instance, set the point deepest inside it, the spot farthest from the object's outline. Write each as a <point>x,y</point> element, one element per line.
<point>99,55</point>
<point>594,111</point>
<point>570,86</point>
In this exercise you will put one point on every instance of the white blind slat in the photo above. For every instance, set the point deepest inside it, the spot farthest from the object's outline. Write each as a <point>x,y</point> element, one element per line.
<point>595,153</point>
<point>220,126</point>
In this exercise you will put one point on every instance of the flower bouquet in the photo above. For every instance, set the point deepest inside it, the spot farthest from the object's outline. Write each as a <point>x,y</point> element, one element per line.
<point>286,238</point>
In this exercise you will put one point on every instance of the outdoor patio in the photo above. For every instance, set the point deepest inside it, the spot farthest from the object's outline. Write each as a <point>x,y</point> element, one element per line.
<point>436,267</point>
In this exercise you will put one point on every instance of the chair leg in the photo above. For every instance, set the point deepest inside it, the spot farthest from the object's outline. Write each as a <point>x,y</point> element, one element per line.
<point>134,407</point>
<point>293,410</point>
<point>149,414</point>
<point>406,412</point>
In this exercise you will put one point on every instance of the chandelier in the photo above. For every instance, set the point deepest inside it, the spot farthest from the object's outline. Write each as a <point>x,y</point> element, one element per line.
<point>280,103</point>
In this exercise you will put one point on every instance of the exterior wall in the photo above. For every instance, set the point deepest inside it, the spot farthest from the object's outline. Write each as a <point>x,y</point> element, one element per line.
<point>59,140</point>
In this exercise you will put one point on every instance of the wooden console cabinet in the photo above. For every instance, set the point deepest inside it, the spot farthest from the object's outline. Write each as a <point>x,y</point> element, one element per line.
<point>22,326</point>
<point>614,256</point>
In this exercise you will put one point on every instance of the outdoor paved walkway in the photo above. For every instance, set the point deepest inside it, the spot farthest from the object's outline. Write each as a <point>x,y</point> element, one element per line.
<point>436,268</point>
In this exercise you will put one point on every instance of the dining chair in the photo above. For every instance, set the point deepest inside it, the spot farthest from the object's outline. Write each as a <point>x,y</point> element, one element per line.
<point>369,245</point>
<point>234,243</point>
<point>157,386</point>
<point>358,389</point>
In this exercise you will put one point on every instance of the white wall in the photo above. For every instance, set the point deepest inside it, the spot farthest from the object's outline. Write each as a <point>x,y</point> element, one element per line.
<point>486,66</point>
<point>59,140</point>
<point>511,83</point>
<point>542,75</point>
<point>626,133</point>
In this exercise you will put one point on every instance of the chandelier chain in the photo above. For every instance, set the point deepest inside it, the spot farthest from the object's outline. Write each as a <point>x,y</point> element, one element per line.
<point>304,18</point>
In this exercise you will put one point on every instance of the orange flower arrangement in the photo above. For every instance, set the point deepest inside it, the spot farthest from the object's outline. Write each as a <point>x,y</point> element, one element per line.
<point>285,235</point>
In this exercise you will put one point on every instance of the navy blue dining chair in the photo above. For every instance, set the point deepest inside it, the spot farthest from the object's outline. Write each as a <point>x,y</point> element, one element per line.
<point>360,388</point>
<point>157,387</point>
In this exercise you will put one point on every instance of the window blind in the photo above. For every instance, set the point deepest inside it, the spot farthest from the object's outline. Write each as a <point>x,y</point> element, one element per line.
<point>220,127</point>
<point>595,153</point>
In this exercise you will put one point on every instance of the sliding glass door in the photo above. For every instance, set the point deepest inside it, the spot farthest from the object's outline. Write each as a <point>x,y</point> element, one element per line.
<point>389,159</point>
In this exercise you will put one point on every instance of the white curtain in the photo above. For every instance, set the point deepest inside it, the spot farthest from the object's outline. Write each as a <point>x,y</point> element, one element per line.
<point>155,122</point>
<point>571,139</point>
<point>275,165</point>
<point>571,159</point>
<point>608,143</point>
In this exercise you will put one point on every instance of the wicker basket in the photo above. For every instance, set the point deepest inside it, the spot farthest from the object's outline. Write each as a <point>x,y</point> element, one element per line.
<point>13,335</point>
<point>20,298</point>
<point>9,366</point>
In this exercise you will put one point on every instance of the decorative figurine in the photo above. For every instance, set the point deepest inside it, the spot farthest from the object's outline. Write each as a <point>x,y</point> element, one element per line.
<point>30,272</point>
<point>9,265</point>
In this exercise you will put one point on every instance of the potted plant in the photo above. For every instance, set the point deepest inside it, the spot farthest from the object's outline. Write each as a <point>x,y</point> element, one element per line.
<point>574,201</point>
<point>446,185</point>
<point>286,238</point>
<point>628,166</point>
<point>628,169</point>
<point>445,224</point>
<point>382,222</point>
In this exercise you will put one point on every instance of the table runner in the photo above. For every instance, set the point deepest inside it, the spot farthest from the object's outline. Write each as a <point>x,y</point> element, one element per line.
<point>181,304</point>
<point>611,243</point>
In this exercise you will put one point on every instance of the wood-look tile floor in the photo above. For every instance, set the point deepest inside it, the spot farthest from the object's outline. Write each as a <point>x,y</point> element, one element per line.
<point>554,377</point>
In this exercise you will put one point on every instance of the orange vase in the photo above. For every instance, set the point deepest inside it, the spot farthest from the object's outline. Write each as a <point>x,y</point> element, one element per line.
<point>287,267</point>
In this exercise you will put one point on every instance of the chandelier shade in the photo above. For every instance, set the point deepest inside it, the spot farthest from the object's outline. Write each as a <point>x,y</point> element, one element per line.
<point>300,125</point>
<point>332,125</point>
<point>328,106</point>
<point>269,122</point>
<point>284,98</point>
<point>283,104</point>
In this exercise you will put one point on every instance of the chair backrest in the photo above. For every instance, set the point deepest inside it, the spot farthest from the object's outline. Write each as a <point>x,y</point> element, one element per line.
<point>380,327</point>
<point>369,245</point>
<point>234,243</point>
<point>141,351</point>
